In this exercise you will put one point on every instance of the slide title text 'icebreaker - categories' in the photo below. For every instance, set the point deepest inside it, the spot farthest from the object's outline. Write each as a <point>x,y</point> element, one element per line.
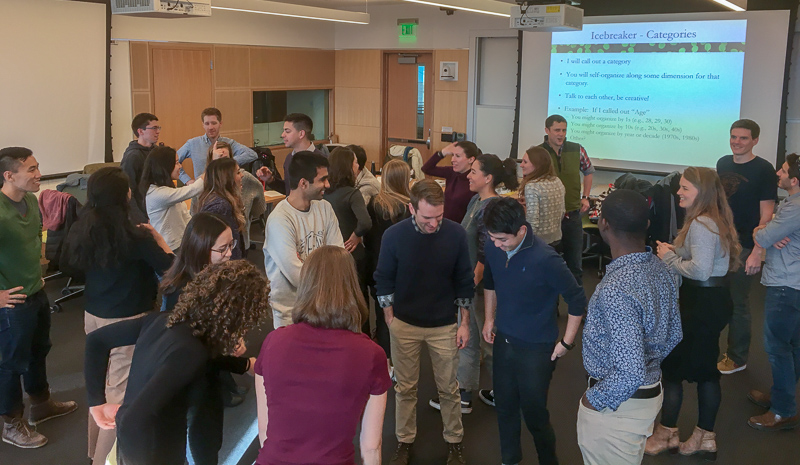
<point>649,33</point>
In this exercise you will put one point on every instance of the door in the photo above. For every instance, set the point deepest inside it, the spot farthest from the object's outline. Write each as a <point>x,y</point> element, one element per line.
<point>182,89</point>
<point>409,100</point>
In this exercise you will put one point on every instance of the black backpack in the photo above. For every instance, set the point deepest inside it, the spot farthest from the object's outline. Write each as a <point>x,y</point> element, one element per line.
<point>264,157</point>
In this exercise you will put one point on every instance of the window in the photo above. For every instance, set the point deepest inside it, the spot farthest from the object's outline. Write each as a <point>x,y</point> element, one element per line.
<point>270,107</point>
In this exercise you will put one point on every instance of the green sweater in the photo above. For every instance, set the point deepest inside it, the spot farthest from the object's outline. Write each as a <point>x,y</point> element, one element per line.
<point>20,246</point>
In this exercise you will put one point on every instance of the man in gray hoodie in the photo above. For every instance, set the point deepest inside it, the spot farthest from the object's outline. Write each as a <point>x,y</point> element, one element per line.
<point>146,131</point>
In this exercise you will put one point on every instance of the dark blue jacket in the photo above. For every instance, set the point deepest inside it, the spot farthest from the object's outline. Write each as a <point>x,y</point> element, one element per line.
<point>527,287</point>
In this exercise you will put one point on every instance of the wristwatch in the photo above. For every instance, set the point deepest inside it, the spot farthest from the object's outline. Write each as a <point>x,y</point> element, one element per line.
<point>585,197</point>
<point>567,346</point>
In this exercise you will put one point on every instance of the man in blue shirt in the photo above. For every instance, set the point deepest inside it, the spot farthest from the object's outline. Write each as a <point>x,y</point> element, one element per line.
<point>196,148</point>
<point>781,276</point>
<point>522,279</point>
<point>632,324</point>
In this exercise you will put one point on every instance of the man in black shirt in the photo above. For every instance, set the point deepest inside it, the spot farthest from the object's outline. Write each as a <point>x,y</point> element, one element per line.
<point>146,131</point>
<point>751,186</point>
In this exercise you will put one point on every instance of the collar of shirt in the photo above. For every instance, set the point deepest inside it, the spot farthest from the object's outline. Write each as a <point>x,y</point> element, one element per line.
<point>559,149</point>
<point>630,259</point>
<point>310,148</point>
<point>791,198</point>
<point>416,226</point>
<point>517,248</point>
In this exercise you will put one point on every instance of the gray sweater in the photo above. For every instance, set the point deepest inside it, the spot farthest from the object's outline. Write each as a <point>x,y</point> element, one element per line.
<point>701,255</point>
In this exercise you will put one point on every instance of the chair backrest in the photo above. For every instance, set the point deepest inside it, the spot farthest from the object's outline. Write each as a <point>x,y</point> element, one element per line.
<point>92,167</point>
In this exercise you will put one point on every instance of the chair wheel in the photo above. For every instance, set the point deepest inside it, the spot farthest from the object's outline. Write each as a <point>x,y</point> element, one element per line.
<point>65,291</point>
<point>55,308</point>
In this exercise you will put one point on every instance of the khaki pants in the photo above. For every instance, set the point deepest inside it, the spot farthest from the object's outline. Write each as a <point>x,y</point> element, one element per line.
<point>407,341</point>
<point>119,366</point>
<point>617,438</point>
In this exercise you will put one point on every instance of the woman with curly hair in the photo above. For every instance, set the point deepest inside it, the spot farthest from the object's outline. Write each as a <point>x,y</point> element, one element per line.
<point>706,250</point>
<point>316,377</point>
<point>214,313</point>
<point>222,195</point>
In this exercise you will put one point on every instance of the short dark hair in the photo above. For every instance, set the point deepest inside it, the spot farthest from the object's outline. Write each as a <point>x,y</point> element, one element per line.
<point>553,119</point>
<point>755,129</point>
<point>361,155</point>
<point>470,149</point>
<point>626,211</point>
<point>300,122</point>
<point>794,170</point>
<point>340,172</point>
<point>304,165</point>
<point>158,168</point>
<point>140,121</point>
<point>428,190</point>
<point>11,158</point>
<point>503,215</point>
<point>211,111</point>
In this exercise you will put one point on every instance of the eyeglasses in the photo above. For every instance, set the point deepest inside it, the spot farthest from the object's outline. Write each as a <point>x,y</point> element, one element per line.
<point>155,128</point>
<point>225,248</point>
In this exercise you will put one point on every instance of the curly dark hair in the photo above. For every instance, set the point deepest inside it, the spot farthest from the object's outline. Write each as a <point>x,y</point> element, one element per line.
<point>222,303</point>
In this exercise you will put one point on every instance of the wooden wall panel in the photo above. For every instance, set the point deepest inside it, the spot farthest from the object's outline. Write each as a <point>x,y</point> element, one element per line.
<point>357,106</point>
<point>367,137</point>
<point>237,109</point>
<point>280,152</point>
<point>232,67</point>
<point>285,68</point>
<point>141,103</point>
<point>459,56</point>
<point>358,68</point>
<point>450,109</point>
<point>140,66</point>
<point>242,137</point>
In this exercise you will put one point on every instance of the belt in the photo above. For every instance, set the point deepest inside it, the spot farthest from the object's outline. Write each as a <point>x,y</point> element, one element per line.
<point>714,281</point>
<point>641,393</point>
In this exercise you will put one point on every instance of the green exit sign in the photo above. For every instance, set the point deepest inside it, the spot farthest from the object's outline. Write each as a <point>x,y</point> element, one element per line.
<point>407,30</point>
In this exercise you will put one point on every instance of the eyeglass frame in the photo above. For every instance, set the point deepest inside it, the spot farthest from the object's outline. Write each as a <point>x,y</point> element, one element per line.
<point>229,246</point>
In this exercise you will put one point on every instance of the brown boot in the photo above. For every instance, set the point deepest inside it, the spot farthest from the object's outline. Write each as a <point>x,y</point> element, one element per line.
<point>17,433</point>
<point>48,409</point>
<point>702,443</point>
<point>663,438</point>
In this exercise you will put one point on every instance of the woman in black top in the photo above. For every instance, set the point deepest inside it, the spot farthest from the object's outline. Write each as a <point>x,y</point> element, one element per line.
<point>215,311</point>
<point>348,204</point>
<point>386,209</point>
<point>119,262</point>
<point>207,240</point>
<point>222,195</point>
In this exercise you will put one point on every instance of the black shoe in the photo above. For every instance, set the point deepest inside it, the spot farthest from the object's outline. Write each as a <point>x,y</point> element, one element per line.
<point>487,396</point>
<point>466,407</point>
<point>455,454</point>
<point>402,455</point>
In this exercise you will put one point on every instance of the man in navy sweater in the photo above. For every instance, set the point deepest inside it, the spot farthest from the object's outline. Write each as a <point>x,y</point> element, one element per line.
<point>422,279</point>
<point>522,279</point>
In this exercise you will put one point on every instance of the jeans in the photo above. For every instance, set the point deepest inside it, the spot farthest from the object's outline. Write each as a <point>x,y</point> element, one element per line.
<point>572,244</point>
<point>521,381</point>
<point>469,361</point>
<point>739,327</point>
<point>782,344</point>
<point>24,345</point>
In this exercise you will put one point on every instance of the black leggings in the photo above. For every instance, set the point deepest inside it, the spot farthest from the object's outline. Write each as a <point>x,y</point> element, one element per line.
<point>709,396</point>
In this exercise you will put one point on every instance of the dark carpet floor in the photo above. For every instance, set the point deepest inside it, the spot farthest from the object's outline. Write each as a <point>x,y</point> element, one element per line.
<point>738,444</point>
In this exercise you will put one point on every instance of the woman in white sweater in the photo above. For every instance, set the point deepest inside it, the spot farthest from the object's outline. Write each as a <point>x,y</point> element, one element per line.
<point>542,195</point>
<point>164,202</point>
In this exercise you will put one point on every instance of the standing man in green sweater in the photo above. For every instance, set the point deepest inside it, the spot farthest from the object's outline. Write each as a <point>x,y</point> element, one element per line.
<point>24,308</point>
<point>570,161</point>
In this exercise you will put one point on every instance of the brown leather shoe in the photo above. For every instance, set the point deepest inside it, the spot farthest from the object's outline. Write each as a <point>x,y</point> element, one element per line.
<point>773,422</point>
<point>18,434</point>
<point>663,438</point>
<point>702,443</point>
<point>762,399</point>
<point>48,409</point>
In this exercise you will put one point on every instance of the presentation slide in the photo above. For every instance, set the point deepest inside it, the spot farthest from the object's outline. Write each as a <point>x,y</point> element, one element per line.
<point>656,92</point>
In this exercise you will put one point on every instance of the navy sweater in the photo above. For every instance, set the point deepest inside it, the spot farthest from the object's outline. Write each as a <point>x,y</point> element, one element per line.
<point>527,287</point>
<point>425,272</point>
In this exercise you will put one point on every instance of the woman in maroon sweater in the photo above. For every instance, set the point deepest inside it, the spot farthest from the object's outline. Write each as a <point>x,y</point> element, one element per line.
<point>457,194</point>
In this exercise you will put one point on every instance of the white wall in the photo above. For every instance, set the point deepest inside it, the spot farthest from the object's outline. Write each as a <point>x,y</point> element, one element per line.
<point>435,30</point>
<point>227,27</point>
<point>121,105</point>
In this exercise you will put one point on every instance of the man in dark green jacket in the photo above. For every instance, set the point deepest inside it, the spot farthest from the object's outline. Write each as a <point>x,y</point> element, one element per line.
<point>570,161</point>
<point>24,308</point>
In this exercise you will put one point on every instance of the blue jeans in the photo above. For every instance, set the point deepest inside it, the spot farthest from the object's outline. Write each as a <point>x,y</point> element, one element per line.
<point>572,244</point>
<point>521,381</point>
<point>24,345</point>
<point>782,343</point>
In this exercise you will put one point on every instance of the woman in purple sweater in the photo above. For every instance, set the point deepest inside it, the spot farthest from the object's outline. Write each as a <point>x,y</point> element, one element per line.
<point>457,194</point>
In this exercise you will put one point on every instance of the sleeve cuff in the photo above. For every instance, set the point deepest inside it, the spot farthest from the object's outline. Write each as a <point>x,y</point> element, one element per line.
<point>386,300</point>
<point>588,171</point>
<point>464,302</point>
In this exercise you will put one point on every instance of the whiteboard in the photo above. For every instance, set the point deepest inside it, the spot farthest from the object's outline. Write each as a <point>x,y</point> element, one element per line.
<point>53,81</point>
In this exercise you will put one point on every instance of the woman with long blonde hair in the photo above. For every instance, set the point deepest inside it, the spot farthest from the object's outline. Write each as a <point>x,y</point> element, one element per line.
<point>705,251</point>
<point>386,209</point>
<point>222,195</point>
<point>322,371</point>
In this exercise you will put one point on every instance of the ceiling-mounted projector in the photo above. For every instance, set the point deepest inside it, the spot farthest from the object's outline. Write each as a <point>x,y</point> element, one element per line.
<point>555,16</point>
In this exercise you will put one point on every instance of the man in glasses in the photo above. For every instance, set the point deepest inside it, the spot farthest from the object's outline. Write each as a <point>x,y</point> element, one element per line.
<point>146,131</point>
